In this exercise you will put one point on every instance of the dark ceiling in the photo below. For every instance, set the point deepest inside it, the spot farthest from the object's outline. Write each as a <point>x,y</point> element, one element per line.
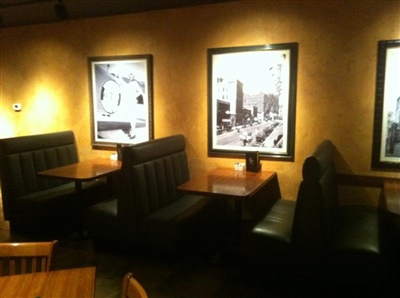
<point>27,12</point>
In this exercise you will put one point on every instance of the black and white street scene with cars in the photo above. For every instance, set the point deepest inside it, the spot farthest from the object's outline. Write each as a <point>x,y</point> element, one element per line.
<point>252,99</point>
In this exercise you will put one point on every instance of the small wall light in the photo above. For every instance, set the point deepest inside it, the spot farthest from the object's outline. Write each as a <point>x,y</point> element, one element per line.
<point>17,107</point>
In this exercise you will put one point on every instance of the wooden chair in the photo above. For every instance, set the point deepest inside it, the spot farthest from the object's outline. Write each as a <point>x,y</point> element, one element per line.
<point>25,257</point>
<point>131,288</point>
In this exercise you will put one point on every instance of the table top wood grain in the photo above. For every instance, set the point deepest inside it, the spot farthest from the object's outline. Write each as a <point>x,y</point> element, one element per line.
<point>84,170</point>
<point>79,282</point>
<point>226,182</point>
<point>392,195</point>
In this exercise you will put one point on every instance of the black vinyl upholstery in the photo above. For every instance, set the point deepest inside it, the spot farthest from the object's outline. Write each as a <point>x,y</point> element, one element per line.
<point>155,169</point>
<point>316,237</point>
<point>23,157</point>
<point>29,200</point>
<point>292,237</point>
<point>316,207</point>
<point>148,212</point>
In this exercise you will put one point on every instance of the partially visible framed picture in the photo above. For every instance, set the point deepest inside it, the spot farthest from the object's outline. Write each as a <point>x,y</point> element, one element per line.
<point>121,99</point>
<point>386,136</point>
<point>252,101</point>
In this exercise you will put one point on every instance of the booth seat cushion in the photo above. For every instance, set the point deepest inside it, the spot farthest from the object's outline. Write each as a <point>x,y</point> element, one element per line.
<point>166,226</point>
<point>292,234</point>
<point>33,212</point>
<point>102,222</point>
<point>150,212</point>
<point>344,245</point>
<point>162,229</point>
<point>60,196</point>
<point>175,213</point>
<point>277,224</point>
<point>357,228</point>
<point>361,249</point>
<point>267,247</point>
<point>29,199</point>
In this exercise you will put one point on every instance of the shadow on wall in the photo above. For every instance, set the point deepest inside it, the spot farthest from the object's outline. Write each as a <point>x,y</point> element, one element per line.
<point>355,194</point>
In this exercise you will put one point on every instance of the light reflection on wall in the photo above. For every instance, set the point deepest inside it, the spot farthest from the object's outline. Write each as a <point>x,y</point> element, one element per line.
<point>7,125</point>
<point>7,129</point>
<point>43,112</point>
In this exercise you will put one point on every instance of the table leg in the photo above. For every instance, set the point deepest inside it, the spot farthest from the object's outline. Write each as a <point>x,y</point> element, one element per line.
<point>110,186</point>
<point>237,222</point>
<point>79,204</point>
<point>221,241</point>
<point>229,234</point>
<point>230,227</point>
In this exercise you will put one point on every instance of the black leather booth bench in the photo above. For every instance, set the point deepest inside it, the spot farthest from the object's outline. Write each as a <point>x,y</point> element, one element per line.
<point>36,204</point>
<point>148,213</point>
<point>315,238</point>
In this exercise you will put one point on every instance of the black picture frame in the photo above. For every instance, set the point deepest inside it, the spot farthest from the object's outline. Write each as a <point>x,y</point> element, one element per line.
<point>121,93</point>
<point>386,131</point>
<point>252,90</point>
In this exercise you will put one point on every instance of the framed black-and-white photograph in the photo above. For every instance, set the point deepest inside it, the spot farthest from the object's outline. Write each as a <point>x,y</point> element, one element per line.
<point>252,101</point>
<point>121,99</point>
<point>386,137</point>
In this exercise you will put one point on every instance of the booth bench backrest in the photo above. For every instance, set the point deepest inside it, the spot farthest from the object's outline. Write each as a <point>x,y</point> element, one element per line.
<point>154,170</point>
<point>317,202</point>
<point>22,157</point>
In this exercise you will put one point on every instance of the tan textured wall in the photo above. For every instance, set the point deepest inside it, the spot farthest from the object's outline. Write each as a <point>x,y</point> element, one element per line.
<point>44,67</point>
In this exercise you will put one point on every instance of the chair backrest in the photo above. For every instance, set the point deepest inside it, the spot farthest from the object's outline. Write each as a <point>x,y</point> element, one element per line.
<point>25,257</point>
<point>131,288</point>
<point>22,157</point>
<point>150,174</point>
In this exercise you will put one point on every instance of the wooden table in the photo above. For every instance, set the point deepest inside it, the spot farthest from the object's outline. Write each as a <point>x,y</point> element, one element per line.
<point>225,182</point>
<point>239,187</point>
<point>391,189</point>
<point>69,283</point>
<point>82,172</point>
<point>230,184</point>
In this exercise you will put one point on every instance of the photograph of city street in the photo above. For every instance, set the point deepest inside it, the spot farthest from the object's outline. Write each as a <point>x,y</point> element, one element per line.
<point>252,99</point>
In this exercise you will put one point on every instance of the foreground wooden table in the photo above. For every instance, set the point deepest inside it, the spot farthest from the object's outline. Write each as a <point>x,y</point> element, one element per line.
<point>67,283</point>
